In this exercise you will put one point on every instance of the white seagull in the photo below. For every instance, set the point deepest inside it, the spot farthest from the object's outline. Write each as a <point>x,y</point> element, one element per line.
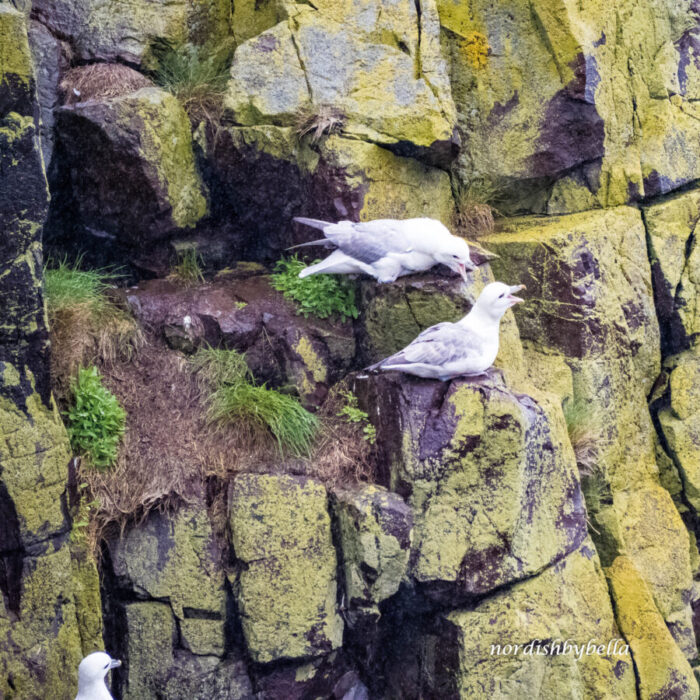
<point>91,676</point>
<point>387,248</point>
<point>466,348</point>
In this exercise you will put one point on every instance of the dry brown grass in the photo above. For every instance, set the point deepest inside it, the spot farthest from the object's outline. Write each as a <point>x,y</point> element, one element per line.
<point>171,454</point>
<point>318,121</point>
<point>97,80</point>
<point>475,208</point>
<point>81,336</point>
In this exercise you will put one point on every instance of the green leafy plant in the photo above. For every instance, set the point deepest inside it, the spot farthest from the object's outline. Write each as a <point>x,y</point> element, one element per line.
<point>353,414</point>
<point>188,268</point>
<point>317,295</point>
<point>96,419</point>
<point>234,398</point>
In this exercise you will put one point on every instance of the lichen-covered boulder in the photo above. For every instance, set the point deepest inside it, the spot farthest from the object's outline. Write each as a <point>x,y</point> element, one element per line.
<point>142,141</point>
<point>239,310</point>
<point>175,558</point>
<point>285,586</point>
<point>662,670</point>
<point>518,643</point>
<point>260,177</point>
<point>613,117</point>
<point>147,649</point>
<point>127,31</point>
<point>675,263</point>
<point>374,532</point>
<point>489,474</point>
<point>364,61</point>
<point>590,304</point>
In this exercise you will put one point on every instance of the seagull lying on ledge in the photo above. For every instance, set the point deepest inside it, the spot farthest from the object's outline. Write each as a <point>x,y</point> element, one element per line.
<point>387,248</point>
<point>91,676</point>
<point>466,348</point>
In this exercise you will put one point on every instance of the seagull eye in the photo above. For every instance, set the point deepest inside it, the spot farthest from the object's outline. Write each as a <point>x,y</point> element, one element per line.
<point>501,295</point>
<point>455,257</point>
<point>106,665</point>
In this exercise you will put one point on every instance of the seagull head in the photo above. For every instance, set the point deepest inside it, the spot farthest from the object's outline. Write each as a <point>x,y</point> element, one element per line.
<point>454,252</point>
<point>93,669</point>
<point>496,298</point>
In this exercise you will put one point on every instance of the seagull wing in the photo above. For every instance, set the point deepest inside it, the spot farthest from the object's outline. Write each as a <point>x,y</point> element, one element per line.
<point>437,346</point>
<point>370,241</point>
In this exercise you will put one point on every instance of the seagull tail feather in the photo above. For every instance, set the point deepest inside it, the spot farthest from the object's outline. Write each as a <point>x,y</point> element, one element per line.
<point>321,241</point>
<point>314,223</point>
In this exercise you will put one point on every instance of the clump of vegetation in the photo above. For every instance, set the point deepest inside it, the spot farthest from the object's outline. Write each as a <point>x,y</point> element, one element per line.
<point>318,121</point>
<point>196,75</point>
<point>86,325</point>
<point>580,423</point>
<point>235,398</point>
<point>352,413</point>
<point>67,286</point>
<point>188,268</point>
<point>476,209</point>
<point>318,295</point>
<point>96,419</point>
<point>97,80</point>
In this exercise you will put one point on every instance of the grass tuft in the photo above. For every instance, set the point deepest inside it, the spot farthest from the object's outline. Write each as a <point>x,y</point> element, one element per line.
<point>188,269</point>
<point>215,367</point>
<point>86,326</point>
<point>475,207</point>
<point>67,286</point>
<point>318,295</point>
<point>292,426</point>
<point>96,419</point>
<point>196,75</point>
<point>234,399</point>
<point>580,423</point>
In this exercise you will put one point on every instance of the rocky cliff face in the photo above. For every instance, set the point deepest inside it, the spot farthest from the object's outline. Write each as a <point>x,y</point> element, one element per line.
<point>493,524</point>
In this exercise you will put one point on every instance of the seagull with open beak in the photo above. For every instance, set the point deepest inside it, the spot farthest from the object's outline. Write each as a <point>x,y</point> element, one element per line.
<point>466,348</point>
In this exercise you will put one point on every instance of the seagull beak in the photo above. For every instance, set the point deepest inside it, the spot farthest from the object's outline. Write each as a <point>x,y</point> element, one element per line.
<point>516,300</point>
<point>461,268</point>
<point>115,663</point>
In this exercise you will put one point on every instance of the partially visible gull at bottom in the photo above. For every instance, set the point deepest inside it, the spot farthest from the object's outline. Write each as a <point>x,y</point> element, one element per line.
<point>91,676</point>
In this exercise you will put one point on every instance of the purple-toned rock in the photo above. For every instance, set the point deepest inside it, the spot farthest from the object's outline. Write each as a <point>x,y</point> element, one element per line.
<point>489,474</point>
<point>241,311</point>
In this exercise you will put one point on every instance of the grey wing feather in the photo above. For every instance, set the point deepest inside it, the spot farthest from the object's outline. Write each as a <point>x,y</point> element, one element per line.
<point>437,345</point>
<point>368,241</point>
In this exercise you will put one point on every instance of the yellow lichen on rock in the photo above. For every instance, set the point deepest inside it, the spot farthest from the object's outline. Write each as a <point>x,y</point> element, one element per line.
<point>662,669</point>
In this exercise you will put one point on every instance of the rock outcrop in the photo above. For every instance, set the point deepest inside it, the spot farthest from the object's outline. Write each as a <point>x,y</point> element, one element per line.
<point>145,138</point>
<point>554,501</point>
<point>46,622</point>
